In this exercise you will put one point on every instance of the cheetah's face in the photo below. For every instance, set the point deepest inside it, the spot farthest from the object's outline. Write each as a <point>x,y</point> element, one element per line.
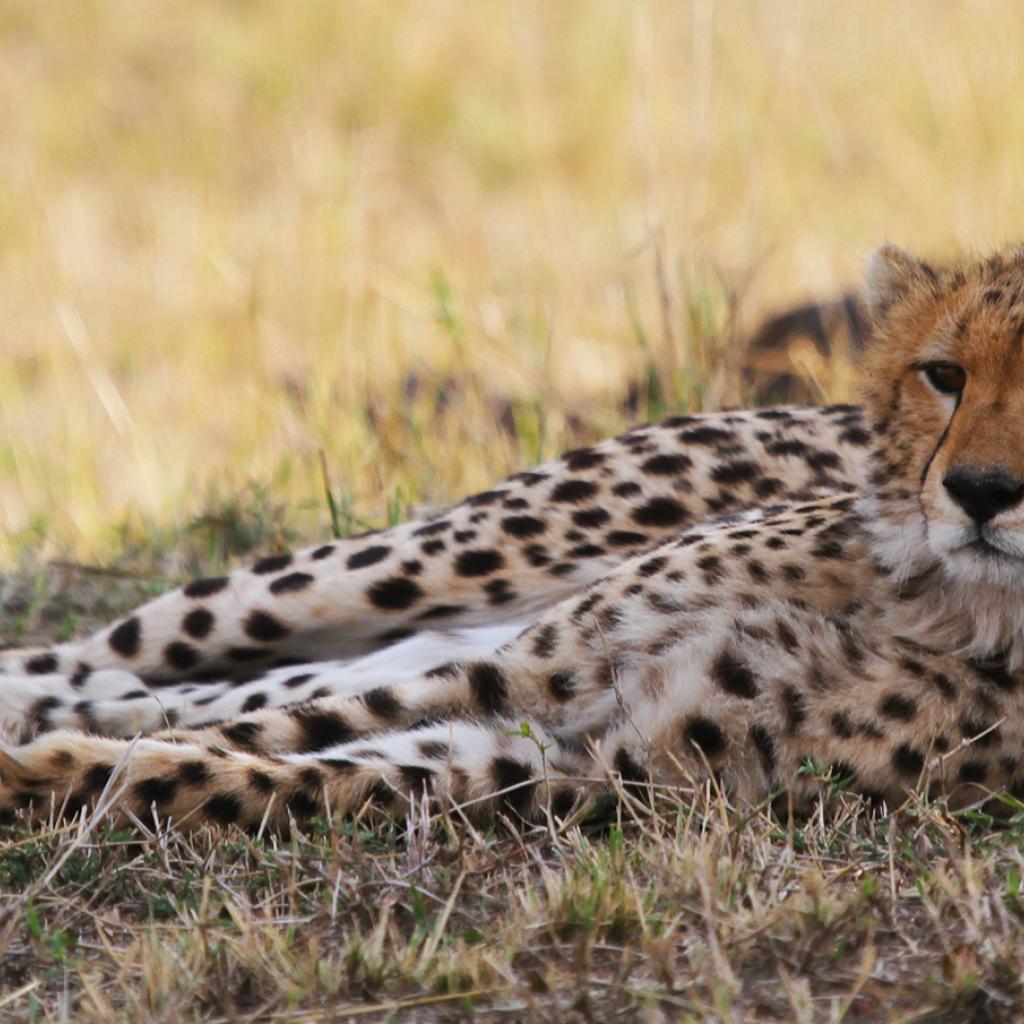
<point>945,383</point>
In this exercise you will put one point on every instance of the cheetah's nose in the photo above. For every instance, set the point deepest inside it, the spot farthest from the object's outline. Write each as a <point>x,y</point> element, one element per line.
<point>982,493</point>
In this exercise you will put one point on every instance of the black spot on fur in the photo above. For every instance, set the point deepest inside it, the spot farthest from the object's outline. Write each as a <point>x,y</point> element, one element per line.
<point>827,549</point>
<point>272,563</point>
<point>972,771</point>
<point>523,526</point>
<point>652,566</point>
<point>97,777</point>
<point>155,791</point>
<point>895,705</point>
<point>433,750</point>
<point>786,636</point>
<point>126,638</point>
<point>181,656</point>
<point>479,562</point>
<point>628,769</point>
<point>415,778</point>
<point>295,681</point>
<point>81,674</point>
<point>583,458</point>
<point>489,686</point>
<point>430,529</point>
<point>704,435</point>
<point>322,552</point>
<point>574,491</point>
<point>994,670</point>
<point>254,702</point>
<point>261,781</point>
<point>292,583</point>
<point>660,512</point>
<point>842,726</point>
<point>705,734</point>
<point>765,749</point>
<point>562,685</point>
<point>244,735</point>
<point>264,627</point>
<point>667,464</point>
<point>440,611</point>
<point>301,805</point>
<point>588,518</point>
<point>820,461</point>
<point>381,702</point>
<point>484,498</point>
<point>499,592</point>
<point>394,594</point>
<point>757,571</point>
<point>320,729</point>
<point>711,568</point>
<point>906,760</point>
<point>207,586</point>
<point>223,808</point>
<point>42,664</point>
<point>516,777</point>
<point>626,538</point>
<point>626,489</point>
<point>193,773</point>
<point>730,473</point>
<point>979,732</point>
<point>368,556</point>
<point>794,707</point>
<point>449,670</point>
<point>545,638</point>
<point>537,555</point>
<point>734,676</point>
<point>585,551</point>
<point>198,623</point>
<point>855,436</point>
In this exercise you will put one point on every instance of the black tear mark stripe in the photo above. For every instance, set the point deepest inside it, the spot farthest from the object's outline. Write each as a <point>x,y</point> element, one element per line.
<point>939,444</point>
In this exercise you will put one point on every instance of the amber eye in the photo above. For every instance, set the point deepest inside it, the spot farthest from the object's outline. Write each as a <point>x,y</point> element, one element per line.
<point>946,378</point>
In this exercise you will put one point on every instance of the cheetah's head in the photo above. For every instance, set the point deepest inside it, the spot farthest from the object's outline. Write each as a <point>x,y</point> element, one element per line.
<point>944,383</point>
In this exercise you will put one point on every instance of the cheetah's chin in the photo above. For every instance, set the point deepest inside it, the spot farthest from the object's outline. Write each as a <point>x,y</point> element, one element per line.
<point>991,560</point>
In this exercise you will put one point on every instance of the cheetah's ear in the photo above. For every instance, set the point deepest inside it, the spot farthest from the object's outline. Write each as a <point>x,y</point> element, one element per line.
<point>893,274</point>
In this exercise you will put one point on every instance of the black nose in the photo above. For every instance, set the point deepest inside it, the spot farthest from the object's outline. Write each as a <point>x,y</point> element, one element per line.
<point>983,493</point>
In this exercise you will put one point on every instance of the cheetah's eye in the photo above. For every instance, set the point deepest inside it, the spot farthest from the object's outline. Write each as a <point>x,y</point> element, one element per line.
<point>946,378</point>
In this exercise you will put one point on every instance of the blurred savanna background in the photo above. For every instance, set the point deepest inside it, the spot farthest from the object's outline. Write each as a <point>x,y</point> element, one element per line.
<point>250,252</point>
<point>275,270</point>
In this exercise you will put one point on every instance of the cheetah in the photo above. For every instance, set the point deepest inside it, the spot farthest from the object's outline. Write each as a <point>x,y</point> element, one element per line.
<point>728,597</point>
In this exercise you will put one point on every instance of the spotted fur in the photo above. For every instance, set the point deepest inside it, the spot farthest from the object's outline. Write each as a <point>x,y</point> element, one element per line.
<point>743,595</point>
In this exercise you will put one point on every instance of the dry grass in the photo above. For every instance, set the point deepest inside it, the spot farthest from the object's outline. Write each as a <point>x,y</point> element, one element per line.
<point>692,913</point>
<point>229,231</point>
<point>434,242</point>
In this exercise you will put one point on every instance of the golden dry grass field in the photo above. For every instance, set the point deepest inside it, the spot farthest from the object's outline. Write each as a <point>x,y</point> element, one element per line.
<point>399,249</point>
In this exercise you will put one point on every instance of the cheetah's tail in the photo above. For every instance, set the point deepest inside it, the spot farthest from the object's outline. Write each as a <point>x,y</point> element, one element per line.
<point>478,770</point>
